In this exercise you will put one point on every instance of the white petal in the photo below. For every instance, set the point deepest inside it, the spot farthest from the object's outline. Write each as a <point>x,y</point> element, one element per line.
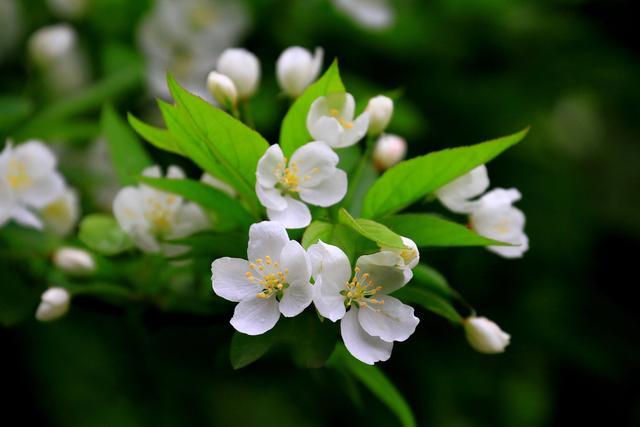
<point>391,321</point>
<point>189,219</point>
<point>327,298</point>
<point>512,251</point>
<point>25,217</point>
<point>298,295</point>
<point>383,272</point>
<point>328,192</point>
<point>457,194</point>
<point>38,159</point>
<point>296,214</point>
<point>326,129</point>
<point>318,56</point>
<point>329,262</point>
<point>314,161</point>
<point>267,165</point>
<point>271,197</point>
<point>359,129</point>
<point>42,191</point>
<point>361,345</point>
<point>175,172</point>
<point>229,280</point>
<point>319,108</point>
<point>152,172</point>
<point>128,208</point>
<point>255,316</point>
<point>266,238</point>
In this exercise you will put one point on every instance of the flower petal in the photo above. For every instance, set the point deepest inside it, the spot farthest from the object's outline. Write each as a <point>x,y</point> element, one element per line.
<point>326,129</point>
<point>25,217</point>
<point>296,214</point>
<point>38,159</point>
<point>266,238</point>
<point>391,321</point>
<point>329,262</point>
<point>314,161</point>
<point>383,272</point>
<point>361,345</point>
<point>328,192</point>
<point>456,195</point>
<point>255,316</point>
<point>42,191</point>
<point>327,298</point>
<point>271,197</point>
<point>298,295</point>
<point>267,165</point>
<point>354,134</point>
<point>229,280</point>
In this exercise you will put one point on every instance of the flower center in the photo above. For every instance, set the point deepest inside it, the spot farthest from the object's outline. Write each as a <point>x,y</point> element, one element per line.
<point>268,274</point>
<point>344,123</point>
<point>57,210</point>
<point>289,177</point>
<point>408,254</point>
<point>160,214</point>
<point>17,176</point>
<point>503,226</point>
<point>360,290</point>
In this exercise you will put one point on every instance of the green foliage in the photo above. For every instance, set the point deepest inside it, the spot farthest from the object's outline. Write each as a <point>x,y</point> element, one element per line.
<point>294,131</point>
<point>432,230</point>
<point>161,138</point>
<point>212,245</point>
<point>430,279</point>
<point>127,154</point>
<point>371,230</point>
<point>13,109</point>
<point>246,349</point>
<point>430,301</point>
<point>335,234</point>
<point>376,381</point>
<point>101,233</point>
<point>411,180</point>
<point>228,211</point>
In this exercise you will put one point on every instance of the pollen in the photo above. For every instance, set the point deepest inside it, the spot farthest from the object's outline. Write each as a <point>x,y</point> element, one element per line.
<point>268,275</point>
<point>344,123</point>
<point>360,290</point>
<point>17,175</point>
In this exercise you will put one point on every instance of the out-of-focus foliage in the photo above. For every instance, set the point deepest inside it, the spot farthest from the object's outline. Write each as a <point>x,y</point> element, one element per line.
<point>461,71</point>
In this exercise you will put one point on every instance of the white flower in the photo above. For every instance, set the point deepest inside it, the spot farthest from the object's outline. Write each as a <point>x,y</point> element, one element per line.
<point>372,14</point>
<point>310,176</point>
<point>53,305</point>
<point>243,67</point>
<point>330,119</point>
<point>218,184</point>
<point>74,261</point>
<point>371,319</point>
<point>150,216</point>
<point>485,336</point>
<point>30,181</point>
<point>274,281</point>
<point>380,109</point>
<point>457,194</point>
<point>496,218</point>
<point>296,69</point>
<point>222,89</point>
<point>185,38</point>
<point>408,257</point>
<point>61,215</point>
<point>389,150</point>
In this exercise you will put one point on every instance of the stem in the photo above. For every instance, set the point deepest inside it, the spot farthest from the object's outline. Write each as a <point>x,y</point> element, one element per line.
<point>247,115</point>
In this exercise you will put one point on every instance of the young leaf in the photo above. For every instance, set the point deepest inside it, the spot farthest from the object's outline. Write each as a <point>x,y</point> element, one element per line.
<point>228,210</point>
<point>246,349</point>
<point>127,154</point>
<point>376,381</point>
<point>371,230</point>
<point>161,138</point>
<point>317,230</point>
<point>413,179</point>
<point>429,300</point>
<point>294,131</point>
<point>432,230</point>
<point>234,146</point>
<point>101,233</point>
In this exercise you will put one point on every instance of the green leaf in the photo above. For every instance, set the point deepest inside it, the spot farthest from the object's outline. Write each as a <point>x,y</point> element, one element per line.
<point>234,147</point>
<point>311,341</point>
<point>246,349</point>
<point>371,230</point>
<point>13,109</point>
<point>429,300</point>
<point>294,131</point>
<point>101,233</point>
<point>376,381</point>
<point>317,230</point>
<point>127,154</point>
<point>334,234</point>
<point>161,138</point>
<point>432,280</point>
<point>228,211</point>
<point>211,245</point>
<point>432,230</point>
<point>413,179</point>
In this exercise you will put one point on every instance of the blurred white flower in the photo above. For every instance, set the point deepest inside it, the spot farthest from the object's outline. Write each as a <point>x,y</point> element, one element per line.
<point>371,320</point>
<point>330,120</point>
<point>68,9</point>
<point>55,51</point>
<point>389,150</point>
<point>61,215</point>
<point>274,281</point>
<point>457,194</point>
<point>495,217</point>
<point>10,26</point>
<point>54,304</point>
<point>185,38</point>
<point>311,176</point>
<point>380,109</point>
<point>74,261</point>
<point>485,336</point>
<point>150,216</point>
<point>372,14</point>
<point>243,68</point>
<point>222,89</point>
<point>296,69</point>
<point>218,184</point>
<point>30,182</point>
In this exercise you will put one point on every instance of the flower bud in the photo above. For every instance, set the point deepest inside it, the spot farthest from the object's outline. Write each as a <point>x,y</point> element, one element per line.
<point>222,89</point>
<point>485,336</point>
<point>52,43</point>
<point>380,110</point>
<point>74,261</point>
<point>389,150</point>
<point>243,68</point>
<point>296,69</point>
<point>54,304</point>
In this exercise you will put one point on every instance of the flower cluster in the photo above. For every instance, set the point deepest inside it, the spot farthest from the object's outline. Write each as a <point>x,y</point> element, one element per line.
<point>32,191</point>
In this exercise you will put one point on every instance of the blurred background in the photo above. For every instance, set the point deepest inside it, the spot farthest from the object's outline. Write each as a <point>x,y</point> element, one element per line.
<point>466,71</point>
